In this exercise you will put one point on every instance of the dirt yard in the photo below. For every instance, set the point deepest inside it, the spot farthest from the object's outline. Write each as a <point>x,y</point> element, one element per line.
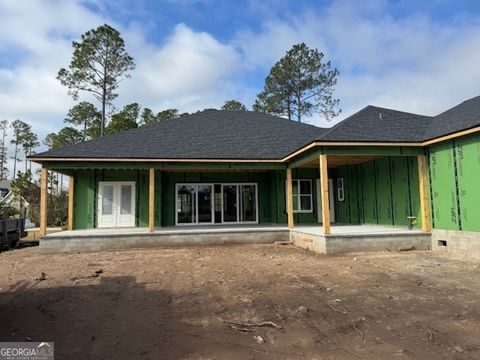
<point>242,302</point>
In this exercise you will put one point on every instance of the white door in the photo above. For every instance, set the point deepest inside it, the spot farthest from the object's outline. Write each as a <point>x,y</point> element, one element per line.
<point>116,204</point>
<point>331,201</point>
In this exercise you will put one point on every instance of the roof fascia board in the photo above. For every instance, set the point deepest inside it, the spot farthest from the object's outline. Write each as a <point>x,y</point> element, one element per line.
<point>451,136</point>
<point>78,165</point>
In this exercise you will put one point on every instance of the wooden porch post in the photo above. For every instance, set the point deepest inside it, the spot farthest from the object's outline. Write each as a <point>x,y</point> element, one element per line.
<point>71,192</point>
<point>289,199</point>
<point>325,194</point>
<point>424,193</point>
<point>151,201</point>
<point>43,201</point>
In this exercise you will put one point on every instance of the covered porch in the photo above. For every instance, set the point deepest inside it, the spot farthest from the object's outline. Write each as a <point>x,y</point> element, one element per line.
<point>379,186</point>
<point>328,199</point>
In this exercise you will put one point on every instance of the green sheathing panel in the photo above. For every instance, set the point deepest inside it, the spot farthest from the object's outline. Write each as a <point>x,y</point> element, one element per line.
<point>158,198</point>
<point>84,204</point>
<point>468,175</point>
<point>369,192</point>
<point>342,208</point>
<point>383,191</point>
<point>400,183</point>
<point>350,210</point>
<point>414,186</point>
<point>86,185</point>
<point>351,187</point>
<point>278,204</point>
<point>443,186</point>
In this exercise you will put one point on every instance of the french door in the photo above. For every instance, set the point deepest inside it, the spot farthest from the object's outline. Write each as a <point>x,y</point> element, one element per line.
<point>116,204</point>
<point>216,203</point>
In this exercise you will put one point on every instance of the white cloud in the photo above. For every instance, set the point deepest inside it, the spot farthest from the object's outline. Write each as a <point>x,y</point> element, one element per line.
<point>189,71</point>
<point>411,63</point>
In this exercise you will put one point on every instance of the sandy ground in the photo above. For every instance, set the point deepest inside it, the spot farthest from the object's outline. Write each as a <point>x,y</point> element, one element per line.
<point>176,304</point>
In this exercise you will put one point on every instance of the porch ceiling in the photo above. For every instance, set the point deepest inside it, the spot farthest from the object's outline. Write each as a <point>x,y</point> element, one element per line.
<point>340,160</point>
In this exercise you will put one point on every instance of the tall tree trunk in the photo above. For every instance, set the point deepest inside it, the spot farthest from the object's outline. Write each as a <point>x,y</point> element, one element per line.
<point>299,108</point>
<point>2,165</point>
<point>15,159</point>
<point>104,100</point>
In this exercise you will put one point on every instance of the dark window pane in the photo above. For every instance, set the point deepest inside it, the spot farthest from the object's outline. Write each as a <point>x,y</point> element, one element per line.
<point>186,204</point>
<point>305,187</point>
<point>230,203</point>
<point>306,204</point>
<point>249,206</point>
<point>204,204</point>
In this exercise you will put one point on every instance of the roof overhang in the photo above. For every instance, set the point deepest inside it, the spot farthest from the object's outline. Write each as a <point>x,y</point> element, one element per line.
<point>282,160</point>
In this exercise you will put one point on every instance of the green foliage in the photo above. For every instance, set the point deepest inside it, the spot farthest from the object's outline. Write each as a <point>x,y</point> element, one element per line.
<point>124,120</point>
<point>87,116</point>
<point>99,62</point>
<point>66,136</point>
<point>148,117</point>
<point>21,185</point>
<point>300,84</point>
<point>167,115</point>
<point>20,133</point>
<point>234,105</point>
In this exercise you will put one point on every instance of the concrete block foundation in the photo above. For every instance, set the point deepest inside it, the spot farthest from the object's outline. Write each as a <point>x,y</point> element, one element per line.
<point>91,241</point>
<point>338,244</point>
<point>457,242</point>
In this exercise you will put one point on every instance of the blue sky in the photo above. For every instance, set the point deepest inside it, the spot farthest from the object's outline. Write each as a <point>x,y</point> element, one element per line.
<point>418,56</point>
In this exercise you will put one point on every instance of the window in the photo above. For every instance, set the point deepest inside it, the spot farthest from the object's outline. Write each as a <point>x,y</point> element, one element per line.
<point>302,195</point>
<point>216,203</point>
<point>340,190</point>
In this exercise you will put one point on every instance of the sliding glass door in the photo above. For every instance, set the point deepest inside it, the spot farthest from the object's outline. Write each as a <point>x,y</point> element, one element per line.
<point>239,203</point>
<point>194,204</point>
<point>199,203</point>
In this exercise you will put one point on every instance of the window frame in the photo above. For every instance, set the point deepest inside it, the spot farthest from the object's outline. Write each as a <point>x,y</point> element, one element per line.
<point>299,196</point>
<point>340,189</point>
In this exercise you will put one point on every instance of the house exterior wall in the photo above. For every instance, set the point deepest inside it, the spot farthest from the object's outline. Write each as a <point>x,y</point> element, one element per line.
<point>383,191</point>
<point>454,175</point>
<point>271,193</point>
<point>454,172</point>
<point>86,187</point>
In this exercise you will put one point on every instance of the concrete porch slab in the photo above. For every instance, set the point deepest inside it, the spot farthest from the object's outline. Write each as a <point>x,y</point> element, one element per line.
<point>122,238</point>
<point>344,238</point>
<point>359,238</point>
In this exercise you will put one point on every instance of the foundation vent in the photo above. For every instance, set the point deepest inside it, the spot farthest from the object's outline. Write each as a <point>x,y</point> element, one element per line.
<point>442,242</point>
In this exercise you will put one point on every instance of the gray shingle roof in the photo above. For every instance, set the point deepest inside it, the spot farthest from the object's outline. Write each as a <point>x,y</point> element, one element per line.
<point>216,134</point>
<point>461,117</point>
<point>376,124</point>
<point>209,134</point>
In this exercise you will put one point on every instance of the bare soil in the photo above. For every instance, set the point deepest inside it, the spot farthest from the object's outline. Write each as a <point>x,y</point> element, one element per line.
<point>205,303</point>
